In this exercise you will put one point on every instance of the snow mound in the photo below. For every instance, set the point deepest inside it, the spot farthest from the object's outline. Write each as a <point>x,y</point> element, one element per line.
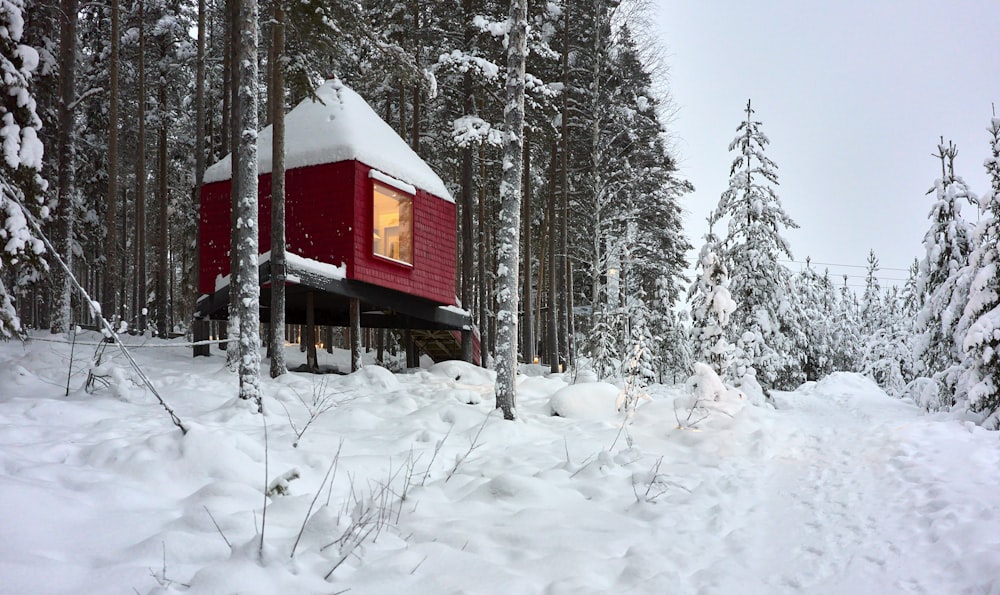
<point>589,400</point>
<point>372,377</point>
<point>464,372</point>
<point>840,383</point>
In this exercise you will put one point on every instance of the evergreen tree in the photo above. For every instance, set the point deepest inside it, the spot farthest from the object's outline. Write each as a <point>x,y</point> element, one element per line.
<point>944,279</point>
<point>981,343</point>
<point>751,250</point>
<point>711,308</point>
<point>21,184</point>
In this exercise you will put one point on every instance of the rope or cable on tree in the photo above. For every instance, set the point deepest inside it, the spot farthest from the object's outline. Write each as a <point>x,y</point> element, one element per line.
<point>95,310</point>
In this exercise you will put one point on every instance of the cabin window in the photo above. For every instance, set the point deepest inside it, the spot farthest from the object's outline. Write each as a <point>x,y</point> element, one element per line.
<point>392,218</point>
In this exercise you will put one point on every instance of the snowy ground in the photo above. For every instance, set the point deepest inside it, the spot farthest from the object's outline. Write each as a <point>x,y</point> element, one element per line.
<point>838,490</point>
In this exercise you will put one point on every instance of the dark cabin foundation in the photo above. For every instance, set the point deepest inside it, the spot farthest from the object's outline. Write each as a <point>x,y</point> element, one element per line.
<point>314,300</point>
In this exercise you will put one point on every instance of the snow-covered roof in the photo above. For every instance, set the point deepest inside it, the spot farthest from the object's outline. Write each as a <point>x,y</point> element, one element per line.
<point>339,125</point>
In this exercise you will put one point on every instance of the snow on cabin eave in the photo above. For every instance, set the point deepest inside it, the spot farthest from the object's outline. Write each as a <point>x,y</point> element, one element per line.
<point>335,125</point>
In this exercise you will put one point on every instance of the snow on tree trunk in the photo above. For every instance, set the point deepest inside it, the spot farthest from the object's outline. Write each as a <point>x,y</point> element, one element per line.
<point>277,322</point>
<point>248,288</point>
<point>510,212</point>
<point>67,165</point>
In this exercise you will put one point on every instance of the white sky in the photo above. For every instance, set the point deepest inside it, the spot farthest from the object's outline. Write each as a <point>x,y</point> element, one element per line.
<point>853,94</point>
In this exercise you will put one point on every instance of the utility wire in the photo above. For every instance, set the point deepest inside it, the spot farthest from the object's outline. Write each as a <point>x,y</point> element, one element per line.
<point>852,266</point>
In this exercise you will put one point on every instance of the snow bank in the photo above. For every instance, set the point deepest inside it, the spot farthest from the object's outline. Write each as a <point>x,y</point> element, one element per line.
<point>588,400</point>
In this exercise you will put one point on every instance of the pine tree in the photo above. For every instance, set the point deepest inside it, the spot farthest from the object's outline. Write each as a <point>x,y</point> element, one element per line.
<point>981,342</point>
<point>751,250</point>
<point>21,184</point>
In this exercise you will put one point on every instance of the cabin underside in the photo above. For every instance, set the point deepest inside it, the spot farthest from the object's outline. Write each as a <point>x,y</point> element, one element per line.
<point>437,330</point>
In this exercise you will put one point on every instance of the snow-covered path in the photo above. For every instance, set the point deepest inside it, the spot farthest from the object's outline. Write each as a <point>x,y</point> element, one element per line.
<point>839,489</point>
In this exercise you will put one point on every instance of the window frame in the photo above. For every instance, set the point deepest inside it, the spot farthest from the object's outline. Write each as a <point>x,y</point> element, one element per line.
<point>390,189</point>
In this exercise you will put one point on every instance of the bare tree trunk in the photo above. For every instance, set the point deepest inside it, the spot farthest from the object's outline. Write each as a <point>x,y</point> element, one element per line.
<point>62,322</point>
<point>199,170</point>
<point>140,183</point>
<point>235,81</point>
<point>508,260</point>
<point>527,330</point>
<point>163,321</point>
<point>468,106</point>
<point>111,279</point>
<point>565,275</point>
<point>277,326</point>
<point>484,323</point>
<point>552,339</point>
<point>248,287</point>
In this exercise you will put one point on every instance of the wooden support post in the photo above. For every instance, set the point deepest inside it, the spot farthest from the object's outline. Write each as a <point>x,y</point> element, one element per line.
<point>355,334</point>
<point>380,346</point>
<point>200,331</point>
<point>312,363</point>
<point>411,356</point>
<point>466,345</point>
<point>223,327</point>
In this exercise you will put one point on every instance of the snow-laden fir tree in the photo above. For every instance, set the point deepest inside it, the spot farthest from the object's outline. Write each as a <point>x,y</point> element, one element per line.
<point>751,251</point>
<point>815,301</point>
<point>711,308</point>
<point>981,343</point>
<point>21,185</point>
<point>944,280</point>
<point>886,354</point>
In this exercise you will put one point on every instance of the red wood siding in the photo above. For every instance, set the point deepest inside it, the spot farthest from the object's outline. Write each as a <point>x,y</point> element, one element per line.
<point>325,205</point>
<point>432,275</point>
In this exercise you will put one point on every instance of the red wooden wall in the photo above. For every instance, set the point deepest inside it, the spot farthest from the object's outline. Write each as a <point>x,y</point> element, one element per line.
<point>325,204</point>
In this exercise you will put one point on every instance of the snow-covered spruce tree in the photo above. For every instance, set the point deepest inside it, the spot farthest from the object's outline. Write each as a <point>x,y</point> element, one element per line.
<point>944,281</point>
<point>888,355</point>
<point>847,338</point>
<point>981,343</point>
<point>711,308</point>
<point>246,240</point>
<point>21,185</point>
<point>750,251</point>
<point>815,301</point>
<point>510,212</point>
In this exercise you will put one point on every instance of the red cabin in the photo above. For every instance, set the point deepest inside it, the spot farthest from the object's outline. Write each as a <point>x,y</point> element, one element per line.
<point>366,219</point>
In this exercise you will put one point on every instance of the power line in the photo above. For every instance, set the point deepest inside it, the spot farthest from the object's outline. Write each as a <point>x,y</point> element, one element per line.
<point>852,266</point>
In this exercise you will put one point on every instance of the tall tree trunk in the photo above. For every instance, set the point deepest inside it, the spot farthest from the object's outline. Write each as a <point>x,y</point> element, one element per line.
<point>416,86</point>
<point>468,106</point>
<point>565,274</point>
<point>163,322</point>
<point>199,160</point>
<point>552,339</point>
<point>248,288</point>
<point>140,183</point>
<point>481,276</point>
<point>235,81</point>
<point>111,280</point>
<point>527,329</point>
<point>67,166</point>
<point>277,326</point>
<point>510,211</point>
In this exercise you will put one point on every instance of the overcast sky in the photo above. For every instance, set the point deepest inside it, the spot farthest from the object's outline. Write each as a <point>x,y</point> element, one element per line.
<point>853,94</point>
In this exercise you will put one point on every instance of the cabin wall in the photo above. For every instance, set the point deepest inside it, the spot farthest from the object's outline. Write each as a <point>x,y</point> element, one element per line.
<point>432,275</point>
<point>319,211</point>
<point>324,207</point>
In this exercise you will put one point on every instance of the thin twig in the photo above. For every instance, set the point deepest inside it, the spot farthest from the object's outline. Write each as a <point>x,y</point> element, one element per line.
<point>217,527</point>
